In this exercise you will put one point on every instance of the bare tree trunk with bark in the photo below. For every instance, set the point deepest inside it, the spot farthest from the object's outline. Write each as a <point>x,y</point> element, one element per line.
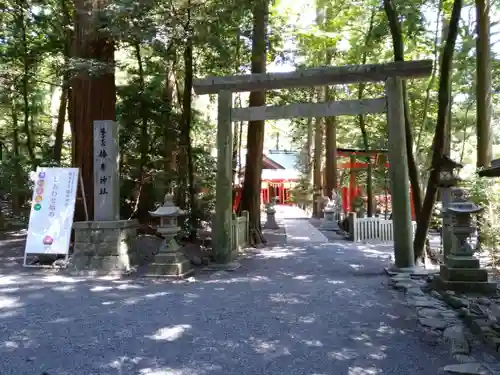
<point>423,220</point>
<point>93,97</point>
<point>250,198</point>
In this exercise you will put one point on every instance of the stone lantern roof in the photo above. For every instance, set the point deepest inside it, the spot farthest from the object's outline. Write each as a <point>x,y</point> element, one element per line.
<point>167,209</point>
<point>492,171</point>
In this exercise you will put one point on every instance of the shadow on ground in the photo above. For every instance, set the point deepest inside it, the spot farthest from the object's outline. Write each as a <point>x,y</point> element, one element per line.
<point>317,310</point>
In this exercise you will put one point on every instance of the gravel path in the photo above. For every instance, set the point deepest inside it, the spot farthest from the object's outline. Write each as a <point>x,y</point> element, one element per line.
<point>307,310</point>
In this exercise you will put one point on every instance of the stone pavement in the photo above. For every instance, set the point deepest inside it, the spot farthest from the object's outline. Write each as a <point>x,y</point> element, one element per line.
<point>302,308</point>
<point>300,231</point>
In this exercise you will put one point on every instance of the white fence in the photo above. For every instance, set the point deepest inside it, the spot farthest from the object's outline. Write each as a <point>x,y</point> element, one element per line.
<point>374,229</point>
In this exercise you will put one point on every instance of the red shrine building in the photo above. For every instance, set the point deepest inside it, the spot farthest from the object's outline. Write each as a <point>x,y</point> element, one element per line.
<point>280,174</point>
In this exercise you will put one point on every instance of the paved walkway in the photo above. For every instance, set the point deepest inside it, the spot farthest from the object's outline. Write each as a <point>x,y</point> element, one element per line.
<point>301,231</point>
<point>306,308</point>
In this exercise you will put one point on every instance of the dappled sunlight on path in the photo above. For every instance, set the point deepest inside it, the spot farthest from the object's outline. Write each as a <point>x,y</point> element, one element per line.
<point>291,309</point>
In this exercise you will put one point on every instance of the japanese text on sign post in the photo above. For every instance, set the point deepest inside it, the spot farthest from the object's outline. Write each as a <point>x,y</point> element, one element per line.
<point>105,171</point>
<point>103,179</point>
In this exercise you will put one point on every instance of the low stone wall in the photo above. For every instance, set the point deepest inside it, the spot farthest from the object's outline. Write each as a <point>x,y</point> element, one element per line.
<point>105,246</point>
<point>481,314</point>
<point>448,315</point>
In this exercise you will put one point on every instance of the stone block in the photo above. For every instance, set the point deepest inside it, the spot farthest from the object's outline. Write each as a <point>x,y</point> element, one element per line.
<point>483,287</point>
<point>178,269</point>
<point>271,222</point>
<point>109,263</point>
<point>167,258</point>
<point>492,341</point>
<point>146,247</point>
<point>472,368</point>
<point>329,225</point>
<point>102,247</point>
<point>462,262</point>
<point>456,336</point>
<point>463,274</point>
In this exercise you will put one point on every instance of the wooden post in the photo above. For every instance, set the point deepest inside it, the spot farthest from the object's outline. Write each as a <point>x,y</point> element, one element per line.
<point>352,182</point>
<point>352,226</point>
<point>245,215</point>
<point>222,239</point>
<point>398,171</point>
<point>236,243</point>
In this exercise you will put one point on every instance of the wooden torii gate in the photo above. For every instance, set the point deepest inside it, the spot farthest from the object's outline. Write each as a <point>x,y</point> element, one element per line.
<point>391,73</point>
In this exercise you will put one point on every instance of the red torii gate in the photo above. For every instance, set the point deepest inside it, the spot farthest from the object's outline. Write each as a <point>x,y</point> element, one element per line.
<point>377,158</point>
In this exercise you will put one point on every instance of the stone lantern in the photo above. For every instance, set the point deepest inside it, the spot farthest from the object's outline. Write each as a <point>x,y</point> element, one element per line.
<point>271,215</point>
<point>448,177</point>
<point>330,214</point>
<point>461,271</point>
<point>448,172</point>
<point>169,261</point>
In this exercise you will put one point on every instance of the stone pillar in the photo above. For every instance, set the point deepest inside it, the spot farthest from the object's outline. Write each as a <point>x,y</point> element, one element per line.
<point>169,261</point>
<point>246,219</point>
<point>106,244</point>
<point>104,247</point>
<point>106,171</point>
<point>271,218</point>
<point>329,221</point>
<point>446,234</point>
<point>351,219</point>
<point>461,271</point>
<point>222,228</point>
<point>398,170</point>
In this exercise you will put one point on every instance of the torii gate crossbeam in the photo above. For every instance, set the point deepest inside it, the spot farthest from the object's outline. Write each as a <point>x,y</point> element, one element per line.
<point>391,73</point>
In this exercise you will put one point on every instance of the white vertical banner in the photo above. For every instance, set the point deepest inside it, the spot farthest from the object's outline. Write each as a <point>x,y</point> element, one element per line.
<point>52,211</point>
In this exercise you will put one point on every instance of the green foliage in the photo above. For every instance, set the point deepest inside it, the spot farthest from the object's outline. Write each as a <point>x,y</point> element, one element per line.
<point>34,56</point>
<point>485,192</point>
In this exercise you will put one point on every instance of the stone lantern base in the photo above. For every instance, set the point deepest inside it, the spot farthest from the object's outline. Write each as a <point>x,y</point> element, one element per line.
<point>329,221</point>
<point>271,220</point>
<point>462,274</point>
<point>170,262</point>
<point>104,247</point>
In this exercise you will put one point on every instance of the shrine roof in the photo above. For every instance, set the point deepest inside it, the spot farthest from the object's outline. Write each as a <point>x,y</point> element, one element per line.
<point>284,160</point>
<point>280,174</point>
<point>360,152</point>
<point>287,159</point>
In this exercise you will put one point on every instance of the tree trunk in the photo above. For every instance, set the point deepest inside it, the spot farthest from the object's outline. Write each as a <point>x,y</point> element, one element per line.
<point>369,179</point>
<point>16,192</point>
<point>430,84</point>
<point>236,142</point>
<point>397,41</point>
<point>308,152</point>
<point>61,119</point>
<point>250,199</point>
<point>169,131</point>
<point>186,126</point>
<point>237,125</point>
<point>445,88</point>
<point>362,124</point>
<point>331,154</point>
<point>483,88</point>
<point>21,19</point>
<point>145,189</point>
<point>92,97</point>
<point>317,163</point>
<point>63,103</point>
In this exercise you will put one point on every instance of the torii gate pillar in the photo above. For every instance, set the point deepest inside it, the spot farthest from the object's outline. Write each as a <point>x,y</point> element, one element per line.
<point>398,170</point>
